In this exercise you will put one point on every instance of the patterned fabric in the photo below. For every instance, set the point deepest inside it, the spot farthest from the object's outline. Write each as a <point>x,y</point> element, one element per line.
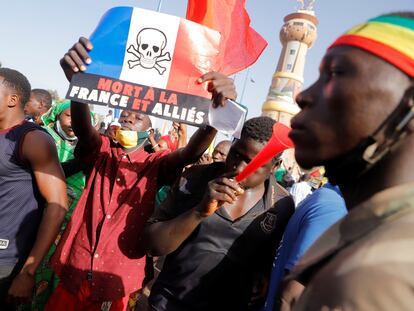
<point>389,37</point>
<point>365,261</point>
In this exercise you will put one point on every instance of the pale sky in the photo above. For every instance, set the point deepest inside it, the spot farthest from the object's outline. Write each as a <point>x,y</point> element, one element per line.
<point>36,33</point>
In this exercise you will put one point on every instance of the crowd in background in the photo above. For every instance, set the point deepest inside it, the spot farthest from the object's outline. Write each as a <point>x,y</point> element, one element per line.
<point>105,213</point>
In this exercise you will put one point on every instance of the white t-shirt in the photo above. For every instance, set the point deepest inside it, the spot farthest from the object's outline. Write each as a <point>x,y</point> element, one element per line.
<point>300,191</point>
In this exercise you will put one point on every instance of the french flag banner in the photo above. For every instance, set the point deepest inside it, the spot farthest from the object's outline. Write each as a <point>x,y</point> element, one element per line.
<point>149,62</point>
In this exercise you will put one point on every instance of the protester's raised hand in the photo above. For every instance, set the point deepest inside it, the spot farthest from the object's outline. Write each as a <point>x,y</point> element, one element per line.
<point>182,129</point>
<point>221,86</point>
<point>76,59</point>
<point>219,191</point>
<point>151,133</point>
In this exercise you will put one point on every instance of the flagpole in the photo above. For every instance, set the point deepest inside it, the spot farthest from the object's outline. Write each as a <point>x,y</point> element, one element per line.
<point>164,129</point>
<point>244,85</point>
<point>159,5</point>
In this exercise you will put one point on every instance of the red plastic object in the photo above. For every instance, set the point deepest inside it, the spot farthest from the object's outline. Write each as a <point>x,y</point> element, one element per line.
<point>278,143</point>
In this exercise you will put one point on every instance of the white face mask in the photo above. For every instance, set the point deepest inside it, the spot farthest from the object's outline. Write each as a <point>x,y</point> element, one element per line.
<point>62,133</point>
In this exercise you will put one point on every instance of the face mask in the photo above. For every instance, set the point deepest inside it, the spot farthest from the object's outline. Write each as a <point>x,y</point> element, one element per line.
<point>130,139</point>
<point>62,133</point>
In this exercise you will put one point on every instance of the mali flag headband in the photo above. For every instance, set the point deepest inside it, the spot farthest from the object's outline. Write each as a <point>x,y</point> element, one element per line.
<point>388,37</point>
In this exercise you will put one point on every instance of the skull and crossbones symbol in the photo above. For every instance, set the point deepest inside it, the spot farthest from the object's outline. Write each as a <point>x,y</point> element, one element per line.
<point>151,43</point>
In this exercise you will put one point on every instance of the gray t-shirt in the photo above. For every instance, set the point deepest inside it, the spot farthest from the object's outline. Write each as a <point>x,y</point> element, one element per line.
<point>216,267</point>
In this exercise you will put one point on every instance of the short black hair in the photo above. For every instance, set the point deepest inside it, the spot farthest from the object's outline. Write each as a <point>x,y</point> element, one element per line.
<point>18,82</point>
<point>43,96</point>
<point>259,129</point>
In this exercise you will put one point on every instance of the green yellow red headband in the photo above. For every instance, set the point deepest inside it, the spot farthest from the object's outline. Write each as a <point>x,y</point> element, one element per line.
<point>388,37</point>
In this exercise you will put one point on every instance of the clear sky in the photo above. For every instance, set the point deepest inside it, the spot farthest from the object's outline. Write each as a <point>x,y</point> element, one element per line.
<point>36,33</point>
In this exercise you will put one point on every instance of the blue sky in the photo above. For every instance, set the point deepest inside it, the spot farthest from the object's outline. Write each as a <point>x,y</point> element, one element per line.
<point>36,34</point>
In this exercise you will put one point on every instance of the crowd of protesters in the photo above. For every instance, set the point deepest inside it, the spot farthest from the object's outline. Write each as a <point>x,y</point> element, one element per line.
<point>110,215</point>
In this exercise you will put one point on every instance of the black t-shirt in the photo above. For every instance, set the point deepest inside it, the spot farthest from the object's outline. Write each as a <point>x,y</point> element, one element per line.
<point>216,267</point>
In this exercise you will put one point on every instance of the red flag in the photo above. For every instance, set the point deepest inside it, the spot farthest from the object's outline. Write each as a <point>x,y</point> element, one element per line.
<point>241,44</point>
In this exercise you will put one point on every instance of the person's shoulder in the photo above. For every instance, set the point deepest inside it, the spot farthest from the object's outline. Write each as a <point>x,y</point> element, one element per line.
<point>154,156</point>
<point>389,243</point>
<point>37,145</point>
<point>280,193</point>
<point>328,192</point>
<point>323,200</point>
<point>355,289</point>
<point>23,128</point>
<point>280,190</point>
<point>281,198</point>
<point>31,125</point>
<point>37,136</point>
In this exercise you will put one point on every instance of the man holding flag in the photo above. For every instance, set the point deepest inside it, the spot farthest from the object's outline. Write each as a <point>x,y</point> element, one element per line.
<point>99,258</point>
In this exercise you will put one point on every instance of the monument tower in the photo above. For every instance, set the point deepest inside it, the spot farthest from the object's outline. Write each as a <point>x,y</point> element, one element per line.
<point>297,36</point>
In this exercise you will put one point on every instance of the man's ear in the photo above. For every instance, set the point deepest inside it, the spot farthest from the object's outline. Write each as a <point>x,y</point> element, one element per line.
<point>13,100</point>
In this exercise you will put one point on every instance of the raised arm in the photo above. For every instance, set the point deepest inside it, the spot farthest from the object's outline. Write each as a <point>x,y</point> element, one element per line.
<point>182,135</point>
<point>222,88</point>
<point>40,151</point>
<point>74,61</point>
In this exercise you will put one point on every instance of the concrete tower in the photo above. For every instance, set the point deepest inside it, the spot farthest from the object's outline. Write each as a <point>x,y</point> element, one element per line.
<point>297,36</point>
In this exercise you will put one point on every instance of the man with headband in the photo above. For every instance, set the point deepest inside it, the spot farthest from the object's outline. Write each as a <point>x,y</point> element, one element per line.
<point>356,120</point>
<point>100,256</point>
